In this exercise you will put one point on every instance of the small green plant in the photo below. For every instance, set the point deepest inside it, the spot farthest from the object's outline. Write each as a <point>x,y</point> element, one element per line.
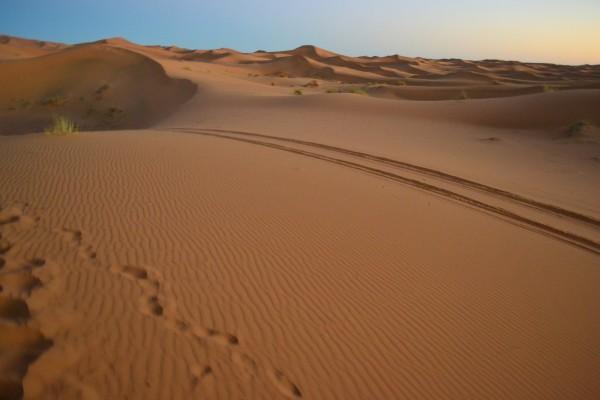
<point>577,128</point>
<point>548,89</point>
<point>113,112</point>
<point>298,92</point>
<point>24,103</point>
<point>332,90</point>
<point>187,68</point>
<point>102,89</point>
<point>53,101</point>
<point>311,84</point>
<point>62,126</point>
<point>357,91</point>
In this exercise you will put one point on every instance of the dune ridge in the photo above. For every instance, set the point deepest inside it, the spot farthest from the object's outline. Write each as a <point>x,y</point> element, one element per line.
<point>392,76</point>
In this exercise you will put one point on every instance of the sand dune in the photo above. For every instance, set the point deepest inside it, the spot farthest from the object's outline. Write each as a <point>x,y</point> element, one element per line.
<point>12,48</point>
<point>253,243</point>
<point>98,86</point>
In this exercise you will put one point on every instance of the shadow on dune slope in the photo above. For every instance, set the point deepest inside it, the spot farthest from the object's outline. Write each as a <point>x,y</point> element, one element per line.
<point>97,86</point>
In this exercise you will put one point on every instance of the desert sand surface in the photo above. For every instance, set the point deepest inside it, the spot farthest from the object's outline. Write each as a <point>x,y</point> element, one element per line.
<point>400,228</point>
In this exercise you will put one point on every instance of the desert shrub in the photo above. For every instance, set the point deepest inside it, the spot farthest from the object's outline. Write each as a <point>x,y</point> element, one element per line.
<point>114,112</point>
<point>312,83</point>
<point>25,103</point>
<point>102,88</point>
<point>548,89</point>
<point>357,91</point>
<point>54,101</point>
<point>298,92</point>
<point>577,128</point>
<point>61,126</point>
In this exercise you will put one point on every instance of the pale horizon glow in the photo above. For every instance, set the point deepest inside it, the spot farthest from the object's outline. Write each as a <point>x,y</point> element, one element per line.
<point>555,31</point>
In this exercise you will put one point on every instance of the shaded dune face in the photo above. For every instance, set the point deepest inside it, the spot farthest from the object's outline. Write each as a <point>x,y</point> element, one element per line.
<point>97,86</point>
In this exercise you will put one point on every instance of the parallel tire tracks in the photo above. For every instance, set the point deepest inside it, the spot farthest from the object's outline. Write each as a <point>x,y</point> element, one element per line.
<point>561,234</point>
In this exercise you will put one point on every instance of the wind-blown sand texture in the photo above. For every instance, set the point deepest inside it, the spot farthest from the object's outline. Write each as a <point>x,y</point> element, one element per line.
<point>251,243</point>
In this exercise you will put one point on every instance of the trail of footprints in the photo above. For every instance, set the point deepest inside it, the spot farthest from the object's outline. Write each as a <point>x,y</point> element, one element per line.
<point>150,304</point>
<point>21,343</point>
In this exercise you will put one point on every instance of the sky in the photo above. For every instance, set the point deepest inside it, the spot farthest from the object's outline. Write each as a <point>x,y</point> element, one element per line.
<point>561,31</point>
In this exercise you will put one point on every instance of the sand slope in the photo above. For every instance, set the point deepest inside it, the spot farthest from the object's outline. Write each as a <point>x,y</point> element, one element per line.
<point>194,283</point>
<point>98,86</point>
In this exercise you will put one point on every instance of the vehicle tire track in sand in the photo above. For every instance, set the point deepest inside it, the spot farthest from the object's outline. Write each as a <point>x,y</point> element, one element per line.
<point>509,216</point>
<point>431,172</point>
<point>21,342</point>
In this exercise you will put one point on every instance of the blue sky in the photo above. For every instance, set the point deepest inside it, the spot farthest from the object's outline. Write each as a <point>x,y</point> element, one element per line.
<point>531,30</point>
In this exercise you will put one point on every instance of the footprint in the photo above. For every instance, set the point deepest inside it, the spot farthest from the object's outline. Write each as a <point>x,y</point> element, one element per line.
<point>73,235</point>
<point>245,363</point>
<point>216,336</point>
<point>177,325</point>
<point>10,220</point>
<point>90,253</point>
<point>20,346</point>
<point>152,306</point>
<point>37,262</point>
<point>5,245</point>
<point>15,216</point>
<point>200,373</point>
<point>284,384</point>
<point>14,310</point>
<point>134,272</point>
<point>139,274</point>
<point>19,283</point>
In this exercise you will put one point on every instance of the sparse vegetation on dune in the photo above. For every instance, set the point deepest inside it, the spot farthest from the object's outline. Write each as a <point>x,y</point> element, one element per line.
<point>114,112</point>
<point>103,88</point>
<point>61,126</point>
<point>577,128</point>
<point>312,84</point>
<point>298,92</point>
<point>352,90</point>
<point>54,101</point>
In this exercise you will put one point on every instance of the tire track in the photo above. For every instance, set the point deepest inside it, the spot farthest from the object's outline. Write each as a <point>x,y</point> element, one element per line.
<point>549,230</point>
<point>423,170</point>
